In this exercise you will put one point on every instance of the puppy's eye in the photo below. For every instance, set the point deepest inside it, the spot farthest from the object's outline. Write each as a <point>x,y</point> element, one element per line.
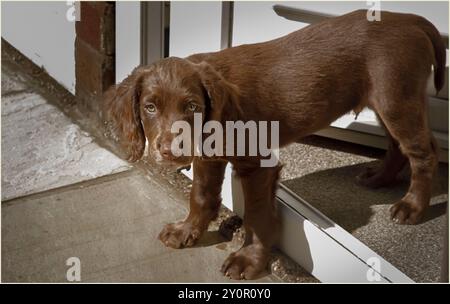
<point>150,108</point>
<point>192,107</point>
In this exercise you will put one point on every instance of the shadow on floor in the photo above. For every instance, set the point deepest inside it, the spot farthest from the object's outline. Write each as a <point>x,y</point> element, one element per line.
<point>336,194</point>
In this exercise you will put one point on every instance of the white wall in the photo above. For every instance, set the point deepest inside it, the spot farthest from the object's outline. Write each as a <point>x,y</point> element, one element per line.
<point>41,31</point>
<point>194,27</point>
<point>128,37</point>
<point>256,21</point>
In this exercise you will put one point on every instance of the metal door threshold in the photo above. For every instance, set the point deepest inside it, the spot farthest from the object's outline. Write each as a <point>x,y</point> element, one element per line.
<point>325,249</point>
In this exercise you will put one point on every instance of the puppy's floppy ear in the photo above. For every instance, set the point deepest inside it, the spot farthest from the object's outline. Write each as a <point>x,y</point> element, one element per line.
<point>223,96</point>
<point>121,109</point>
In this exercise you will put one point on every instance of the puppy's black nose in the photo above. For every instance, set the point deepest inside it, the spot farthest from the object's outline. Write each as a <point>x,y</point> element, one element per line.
<point>166,152</point>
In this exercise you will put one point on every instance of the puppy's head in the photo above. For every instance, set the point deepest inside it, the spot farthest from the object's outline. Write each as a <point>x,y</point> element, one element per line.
<point>149,101</point>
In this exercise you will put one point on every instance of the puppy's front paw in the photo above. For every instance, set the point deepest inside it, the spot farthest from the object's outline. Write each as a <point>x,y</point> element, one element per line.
<point>245,264</point>
<point>406,213</point>
<point>179,235</point>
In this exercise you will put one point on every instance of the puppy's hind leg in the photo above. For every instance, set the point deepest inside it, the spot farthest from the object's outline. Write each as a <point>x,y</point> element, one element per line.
<point>386,174</point>
<point>406,120</point>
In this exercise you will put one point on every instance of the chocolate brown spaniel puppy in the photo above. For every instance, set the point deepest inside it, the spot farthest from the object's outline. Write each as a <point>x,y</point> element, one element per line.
<point>304,80</point>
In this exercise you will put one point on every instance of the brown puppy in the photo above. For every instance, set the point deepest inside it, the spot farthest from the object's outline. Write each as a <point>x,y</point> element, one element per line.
<point>304,80</point>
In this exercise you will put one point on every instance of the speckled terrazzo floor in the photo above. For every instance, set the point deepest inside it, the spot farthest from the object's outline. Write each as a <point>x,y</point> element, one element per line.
<point>322,171</point>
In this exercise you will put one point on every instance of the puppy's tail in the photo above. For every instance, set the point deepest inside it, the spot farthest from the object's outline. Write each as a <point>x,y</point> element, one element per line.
<point>439,53</point>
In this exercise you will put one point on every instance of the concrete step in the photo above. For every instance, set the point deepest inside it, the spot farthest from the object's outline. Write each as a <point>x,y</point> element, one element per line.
<point>42,148</point>
<point>111,224</point>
